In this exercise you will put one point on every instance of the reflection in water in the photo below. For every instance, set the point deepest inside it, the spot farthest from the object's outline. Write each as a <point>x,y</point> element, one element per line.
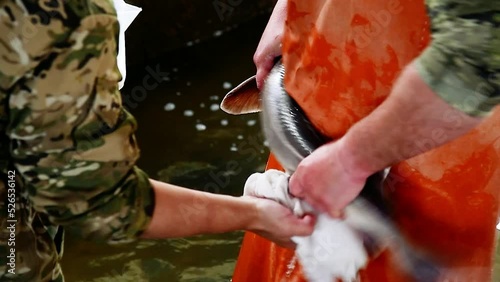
<point>184,137</point>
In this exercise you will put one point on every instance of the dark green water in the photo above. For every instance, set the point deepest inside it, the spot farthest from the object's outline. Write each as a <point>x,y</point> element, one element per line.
<point>203,148</point>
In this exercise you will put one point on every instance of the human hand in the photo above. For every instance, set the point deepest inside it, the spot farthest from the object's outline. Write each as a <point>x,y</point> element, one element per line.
<point>277,223</point>
<point>269,47</point>
<point>326,180</point>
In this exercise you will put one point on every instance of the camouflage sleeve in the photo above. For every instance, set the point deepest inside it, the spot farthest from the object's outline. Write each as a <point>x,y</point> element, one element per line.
<point>71,139</point>
<point>462,63</point>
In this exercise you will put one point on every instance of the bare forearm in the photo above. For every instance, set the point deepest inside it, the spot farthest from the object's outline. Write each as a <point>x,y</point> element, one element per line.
<point>411,121</point>
<point>181,212</point>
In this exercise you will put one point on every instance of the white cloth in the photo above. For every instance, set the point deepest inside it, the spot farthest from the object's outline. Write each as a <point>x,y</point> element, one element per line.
<point>333,250</point>
<point>126,15</point>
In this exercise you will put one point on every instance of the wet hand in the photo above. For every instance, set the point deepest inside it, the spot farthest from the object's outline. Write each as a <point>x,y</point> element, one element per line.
<point>277,223</point>
<point>325,182</point>
<point>269,47</point>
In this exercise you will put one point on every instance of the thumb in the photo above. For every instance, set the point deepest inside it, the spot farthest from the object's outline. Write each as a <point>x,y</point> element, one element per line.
<point>303,226</point>
<point>264,66</point>
<point>295,186</point>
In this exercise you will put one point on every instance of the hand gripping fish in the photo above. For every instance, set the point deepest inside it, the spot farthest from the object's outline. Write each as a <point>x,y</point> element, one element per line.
<point>338,248</point>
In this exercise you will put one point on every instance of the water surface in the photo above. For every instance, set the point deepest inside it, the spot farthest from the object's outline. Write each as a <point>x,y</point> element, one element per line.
<point>187,140</point>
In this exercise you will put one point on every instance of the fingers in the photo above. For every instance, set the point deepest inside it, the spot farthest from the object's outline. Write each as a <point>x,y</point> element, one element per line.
<point>264,63</point>
<point>304,226</point>
<point>287,245</point>
<point>318,199</point>
<point>296,227</point>
<point>335,213</point>
<point>299,190</point>
<point>295,186</point>
<point>270,44</point>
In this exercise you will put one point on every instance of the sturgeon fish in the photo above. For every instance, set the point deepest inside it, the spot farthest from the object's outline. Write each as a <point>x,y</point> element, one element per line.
<point>292,137</point>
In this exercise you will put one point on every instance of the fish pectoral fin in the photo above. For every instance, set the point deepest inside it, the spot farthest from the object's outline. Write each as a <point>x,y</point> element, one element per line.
<point>243,99</point>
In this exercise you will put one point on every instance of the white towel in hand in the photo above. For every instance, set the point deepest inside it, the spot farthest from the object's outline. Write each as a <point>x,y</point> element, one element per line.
<point>332,251</point>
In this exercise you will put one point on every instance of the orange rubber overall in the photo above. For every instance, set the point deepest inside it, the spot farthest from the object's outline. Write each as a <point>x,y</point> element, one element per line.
<point>341,59</point>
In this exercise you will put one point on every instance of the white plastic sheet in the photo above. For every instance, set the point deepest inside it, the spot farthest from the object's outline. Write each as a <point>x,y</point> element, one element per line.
<point>126,15</point>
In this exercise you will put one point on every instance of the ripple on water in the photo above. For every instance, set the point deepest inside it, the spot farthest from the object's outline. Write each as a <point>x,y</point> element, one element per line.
<point>200,127</point>
<point>138,270</point>
<point>218,33</point>
<point>169,107</point>
<point>214,273</point>
<point>214,107</point>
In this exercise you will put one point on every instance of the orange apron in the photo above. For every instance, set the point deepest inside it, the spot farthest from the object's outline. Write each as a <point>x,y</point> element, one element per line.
<point>341,59</point>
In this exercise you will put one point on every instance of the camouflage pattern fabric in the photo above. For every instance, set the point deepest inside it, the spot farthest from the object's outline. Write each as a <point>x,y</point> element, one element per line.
<point>462,65</point>
<point>68,149</point>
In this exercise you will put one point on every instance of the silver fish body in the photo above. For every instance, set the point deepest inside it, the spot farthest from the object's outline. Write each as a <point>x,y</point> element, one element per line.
<point>292,137</point>
<point>290,134</point>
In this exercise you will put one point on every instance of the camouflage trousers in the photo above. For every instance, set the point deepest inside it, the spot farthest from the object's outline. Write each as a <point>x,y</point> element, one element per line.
<point>30,249</point>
